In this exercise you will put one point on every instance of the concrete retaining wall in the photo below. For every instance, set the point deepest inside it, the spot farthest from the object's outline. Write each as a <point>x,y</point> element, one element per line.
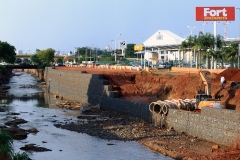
<point>220,126</point>
<point>93,89</point>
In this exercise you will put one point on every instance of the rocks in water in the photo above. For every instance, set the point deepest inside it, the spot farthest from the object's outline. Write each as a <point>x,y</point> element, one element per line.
<point>13,113</point>
<point>32,130</point>
<point>2,110</point>
<point>16,133</point>
<point>32,147</point>
<point>15,122</point>
<point>85,108</point>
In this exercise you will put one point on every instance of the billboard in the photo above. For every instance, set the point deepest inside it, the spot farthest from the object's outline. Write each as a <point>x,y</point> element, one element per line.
<point>138,47</point>
<point>215,13</point>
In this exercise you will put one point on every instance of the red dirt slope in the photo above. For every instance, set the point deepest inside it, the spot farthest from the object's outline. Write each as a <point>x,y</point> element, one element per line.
<point>149,87</point>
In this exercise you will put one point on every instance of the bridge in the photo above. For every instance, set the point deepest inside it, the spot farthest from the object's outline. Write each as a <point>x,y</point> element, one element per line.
<point>64,57</point>
<point>21,66</point>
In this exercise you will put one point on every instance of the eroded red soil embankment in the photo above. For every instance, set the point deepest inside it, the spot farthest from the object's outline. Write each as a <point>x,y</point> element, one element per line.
<point>149,87</point>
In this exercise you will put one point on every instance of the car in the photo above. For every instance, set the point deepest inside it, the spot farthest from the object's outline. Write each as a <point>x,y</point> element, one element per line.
<point>83,65</point>
<point>227,65</point>
<point>59,64</point>
<point>164,65</point>
<point>3,63</point>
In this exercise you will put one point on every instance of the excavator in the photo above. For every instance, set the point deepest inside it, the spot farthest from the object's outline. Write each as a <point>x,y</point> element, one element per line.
<point>206,100</point>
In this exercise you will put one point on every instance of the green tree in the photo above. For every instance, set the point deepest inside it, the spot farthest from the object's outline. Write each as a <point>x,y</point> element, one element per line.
<point>129,52</point>
<point>34,58</point>
<point>18,60</point>
<point>7,52</point>
<point>60,60</point>
<point>230,53</point>
<point>43,58</point>
<point>204,43</point>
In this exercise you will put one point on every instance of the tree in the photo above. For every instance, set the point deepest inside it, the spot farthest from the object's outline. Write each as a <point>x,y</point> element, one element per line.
<point>7,52</point>
<point>18,60</point>
<point>60,60</point>
<point>230,53</point>
<point>43,58</point>
<point>34,58</point>
<point>129,52</point>
<point>205,43</point>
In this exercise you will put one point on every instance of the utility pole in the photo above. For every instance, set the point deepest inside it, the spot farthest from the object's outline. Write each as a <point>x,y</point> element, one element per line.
<point>239,38</point>
<point>86,56</point>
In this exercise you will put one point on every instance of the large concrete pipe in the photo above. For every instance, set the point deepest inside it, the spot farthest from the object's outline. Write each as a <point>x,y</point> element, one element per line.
<point>151,106</point>
<point>189,105</point>
<point>182,105</point>
<point>158,107</point>
<point>165,108</point>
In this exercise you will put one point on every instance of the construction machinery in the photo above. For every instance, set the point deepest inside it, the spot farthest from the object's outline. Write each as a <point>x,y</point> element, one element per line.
<point>206,100</point>
<point>199,101</point>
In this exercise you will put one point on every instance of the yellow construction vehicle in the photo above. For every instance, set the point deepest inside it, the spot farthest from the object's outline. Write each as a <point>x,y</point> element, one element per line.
<point>206,100</point>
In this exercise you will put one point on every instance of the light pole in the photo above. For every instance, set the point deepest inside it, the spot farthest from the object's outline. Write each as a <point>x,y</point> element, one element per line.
<point>239,38</point>
<point>191,29</point>
<point>115,46</point>
<point>225,29</point>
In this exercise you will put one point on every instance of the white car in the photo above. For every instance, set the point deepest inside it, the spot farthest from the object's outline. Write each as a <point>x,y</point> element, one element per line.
<point>227,65</point>
<point>3,63</point>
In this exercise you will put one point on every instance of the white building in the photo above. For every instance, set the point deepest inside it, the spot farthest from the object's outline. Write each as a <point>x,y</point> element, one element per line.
<point>165,46</point>
<point>19,52</point>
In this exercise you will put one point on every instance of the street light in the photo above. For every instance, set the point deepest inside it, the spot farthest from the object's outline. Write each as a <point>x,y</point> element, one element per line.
<point>191,29</point>
<point>115,46</point>
<point>225,29</point>
<point>239,38</point>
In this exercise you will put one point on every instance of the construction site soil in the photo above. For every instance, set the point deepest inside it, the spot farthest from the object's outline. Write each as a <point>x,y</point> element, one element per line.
<point>142,86</point>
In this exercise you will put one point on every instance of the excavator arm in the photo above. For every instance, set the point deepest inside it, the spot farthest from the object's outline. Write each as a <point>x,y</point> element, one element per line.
<point>206,82</point>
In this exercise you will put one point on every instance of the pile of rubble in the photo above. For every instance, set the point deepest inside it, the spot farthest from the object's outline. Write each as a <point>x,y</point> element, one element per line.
<point>74,105</point>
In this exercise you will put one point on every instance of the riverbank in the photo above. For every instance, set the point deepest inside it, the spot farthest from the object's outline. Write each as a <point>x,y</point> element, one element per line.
<point>41,113</point>
<point>114,126</point>
<point>111,125</point>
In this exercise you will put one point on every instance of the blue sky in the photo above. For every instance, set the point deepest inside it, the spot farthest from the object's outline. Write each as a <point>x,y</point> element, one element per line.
<point>65,24</point>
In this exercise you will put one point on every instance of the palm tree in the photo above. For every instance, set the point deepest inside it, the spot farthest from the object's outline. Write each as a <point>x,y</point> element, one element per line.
<point>230,53</point>
<point>189,43</point>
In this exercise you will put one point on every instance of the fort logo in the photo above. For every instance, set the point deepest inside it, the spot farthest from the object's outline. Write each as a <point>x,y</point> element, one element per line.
<point>215,13</point>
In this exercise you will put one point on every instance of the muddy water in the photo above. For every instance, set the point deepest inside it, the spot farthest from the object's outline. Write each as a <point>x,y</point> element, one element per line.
<point>41,113</point>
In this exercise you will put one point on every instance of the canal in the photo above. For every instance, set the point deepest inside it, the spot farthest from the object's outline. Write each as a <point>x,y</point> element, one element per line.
<point>39,109</point>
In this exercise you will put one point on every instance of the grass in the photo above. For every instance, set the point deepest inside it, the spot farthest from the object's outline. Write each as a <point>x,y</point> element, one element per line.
<point>6,143</point>
<point>21,156</point>
<point>6,147</point>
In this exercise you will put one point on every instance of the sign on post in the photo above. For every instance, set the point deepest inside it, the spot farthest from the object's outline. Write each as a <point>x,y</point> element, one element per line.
<point>122,44</point>
<point>215,13</point>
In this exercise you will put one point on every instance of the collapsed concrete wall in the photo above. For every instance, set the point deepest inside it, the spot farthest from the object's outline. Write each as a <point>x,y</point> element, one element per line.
<point>219,126</point>
<point>93,89</point>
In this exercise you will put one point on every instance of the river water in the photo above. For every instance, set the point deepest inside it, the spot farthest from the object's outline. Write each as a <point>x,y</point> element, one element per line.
<point>41,113</point>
